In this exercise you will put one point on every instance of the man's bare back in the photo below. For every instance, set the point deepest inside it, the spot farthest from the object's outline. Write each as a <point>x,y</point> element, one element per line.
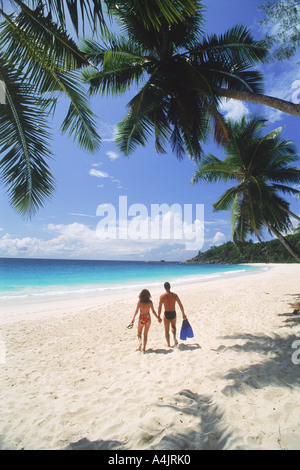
<point>169,300</point>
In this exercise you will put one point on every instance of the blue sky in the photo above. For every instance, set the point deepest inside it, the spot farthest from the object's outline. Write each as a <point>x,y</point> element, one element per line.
<point>67,226</point>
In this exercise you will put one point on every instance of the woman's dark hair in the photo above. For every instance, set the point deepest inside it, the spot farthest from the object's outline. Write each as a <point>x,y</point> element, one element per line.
<point>145,296</point>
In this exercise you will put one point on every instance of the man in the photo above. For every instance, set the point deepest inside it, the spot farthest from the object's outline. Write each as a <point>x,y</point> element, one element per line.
<point>169,300</point>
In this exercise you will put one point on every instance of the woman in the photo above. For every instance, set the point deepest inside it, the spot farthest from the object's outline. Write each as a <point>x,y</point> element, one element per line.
<point>144,305</point>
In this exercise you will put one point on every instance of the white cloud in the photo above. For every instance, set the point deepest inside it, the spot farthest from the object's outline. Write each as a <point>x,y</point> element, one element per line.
<point>81,215</point>
<point>281,81</point>
<point>112,155</point>
<point>118,182</point>
<point>219,239</point>
<point>217,222</point>
<point>233,109</point>
<point>77,240</point>
<point>107,132</point>
<point>296,186</point>
<point>98,174</point>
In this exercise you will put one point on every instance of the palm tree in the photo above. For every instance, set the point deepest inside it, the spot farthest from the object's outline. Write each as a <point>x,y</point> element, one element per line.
<point>176,99</point>
<point>151,12</point>
<point>39,63</point>
<point>181,73</point>
<point>177,68</point>
<point>260,164</point>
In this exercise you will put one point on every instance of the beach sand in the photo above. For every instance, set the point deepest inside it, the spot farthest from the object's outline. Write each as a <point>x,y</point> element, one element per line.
<point>71,377</point>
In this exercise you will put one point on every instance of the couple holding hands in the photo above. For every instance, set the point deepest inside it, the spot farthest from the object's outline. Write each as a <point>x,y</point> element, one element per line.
<point>145,304</point>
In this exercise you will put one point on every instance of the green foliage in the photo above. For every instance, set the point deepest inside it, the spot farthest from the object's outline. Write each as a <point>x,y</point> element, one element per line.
<point>282,17</point>
<point>249,252</point>
<point>39,64</point>
<point>176,68</point>
<point>262,167</point>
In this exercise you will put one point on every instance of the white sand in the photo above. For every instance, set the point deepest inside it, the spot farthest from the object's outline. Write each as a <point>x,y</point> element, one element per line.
<point>70,375</point>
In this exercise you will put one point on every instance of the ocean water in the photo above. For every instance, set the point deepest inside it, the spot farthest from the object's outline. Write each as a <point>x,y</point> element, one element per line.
<point>44,279</point>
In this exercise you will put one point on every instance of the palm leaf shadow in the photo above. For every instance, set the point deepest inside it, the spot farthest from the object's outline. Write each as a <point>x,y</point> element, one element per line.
<point>275,369</point>
<point>212,432</point>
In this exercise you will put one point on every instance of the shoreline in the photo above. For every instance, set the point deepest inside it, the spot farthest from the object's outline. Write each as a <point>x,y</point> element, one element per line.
<point>30,306</point>
<point>71,377</point>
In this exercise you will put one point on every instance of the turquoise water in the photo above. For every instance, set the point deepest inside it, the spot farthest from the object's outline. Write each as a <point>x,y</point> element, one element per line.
<point>32,278</point>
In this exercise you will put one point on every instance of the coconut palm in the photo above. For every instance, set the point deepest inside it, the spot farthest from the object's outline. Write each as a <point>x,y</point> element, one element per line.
<point>176,68</point>
<point>261,166</point>
<point>153,13</point>
<point>181,74</point>
<point>40,63</point>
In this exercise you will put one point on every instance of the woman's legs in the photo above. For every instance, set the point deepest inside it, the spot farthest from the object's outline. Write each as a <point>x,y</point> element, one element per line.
<point>140,331</point>
<point>147,326</point>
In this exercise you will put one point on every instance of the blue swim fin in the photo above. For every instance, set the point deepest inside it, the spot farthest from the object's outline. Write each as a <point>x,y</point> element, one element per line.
<point>189,331</point>
<point>186,330</point>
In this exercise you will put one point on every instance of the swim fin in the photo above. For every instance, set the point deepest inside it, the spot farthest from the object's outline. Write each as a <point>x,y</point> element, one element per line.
<point>186,330</point>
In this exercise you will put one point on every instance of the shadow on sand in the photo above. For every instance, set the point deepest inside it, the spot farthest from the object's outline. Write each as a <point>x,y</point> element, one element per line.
<point>209,433</point>
<point>275,369</point>
<point>181,347</point>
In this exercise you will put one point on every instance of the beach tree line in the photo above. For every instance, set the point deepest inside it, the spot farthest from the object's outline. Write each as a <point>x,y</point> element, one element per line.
<point>271,251</point>
<point>182,74</point>
<point>262,167</point>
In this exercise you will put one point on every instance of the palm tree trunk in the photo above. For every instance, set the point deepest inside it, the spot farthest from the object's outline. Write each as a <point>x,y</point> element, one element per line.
<point>289,212</point>
<point>276,103</point>
<point>293,251</point>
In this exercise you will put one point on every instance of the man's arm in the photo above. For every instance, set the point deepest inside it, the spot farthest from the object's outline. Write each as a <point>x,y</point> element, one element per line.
<point>154,312</point>
<point>180,306</point>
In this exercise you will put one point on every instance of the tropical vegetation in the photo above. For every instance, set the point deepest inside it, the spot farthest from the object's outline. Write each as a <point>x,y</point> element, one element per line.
<point>271,251</point>
<point>177,70</point>
<point>261,166</point>
<point>182,73</point>
<point>282,20</point>
<point>40,63</point>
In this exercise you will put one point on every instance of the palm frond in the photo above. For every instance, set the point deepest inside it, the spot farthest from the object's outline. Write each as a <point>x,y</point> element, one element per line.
<point>24,143</point>
<point>31,37</point>
<point>261,165</point>
<point>122,65</point>
<point>151,13</point>
<point>227,59</point>
<point>48,57</point>
<point>132,133</point>
<point>78,11</point>
<point>79,120</point>
<point>212,170</point>
<point>140,118</point>
<point>225,202</point>
<point>287,189</point>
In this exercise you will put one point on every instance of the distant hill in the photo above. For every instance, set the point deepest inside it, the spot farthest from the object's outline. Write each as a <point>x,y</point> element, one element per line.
<point>267,252</point>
